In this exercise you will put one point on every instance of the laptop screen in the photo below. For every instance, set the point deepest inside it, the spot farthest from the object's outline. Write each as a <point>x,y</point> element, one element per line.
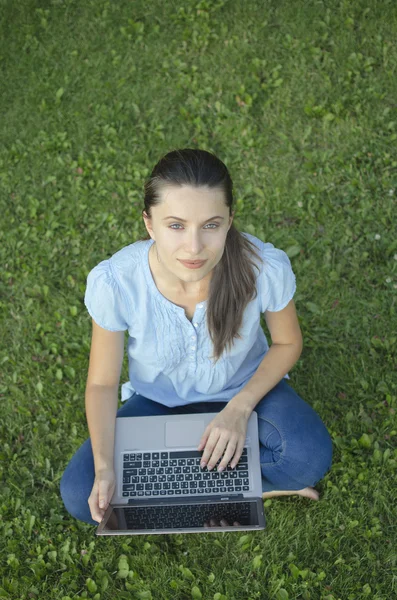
<point>183,516</point>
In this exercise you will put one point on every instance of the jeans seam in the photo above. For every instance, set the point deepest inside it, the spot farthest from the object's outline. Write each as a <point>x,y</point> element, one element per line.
<point>270,464</point>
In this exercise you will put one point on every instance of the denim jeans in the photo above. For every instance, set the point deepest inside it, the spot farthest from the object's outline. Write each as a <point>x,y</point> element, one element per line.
<point>295,446</point>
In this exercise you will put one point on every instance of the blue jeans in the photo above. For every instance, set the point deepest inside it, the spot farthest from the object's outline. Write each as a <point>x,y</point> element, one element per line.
<point>295,446</point>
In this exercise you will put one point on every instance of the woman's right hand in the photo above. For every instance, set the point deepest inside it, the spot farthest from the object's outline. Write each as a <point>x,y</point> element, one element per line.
<point>101,493</point>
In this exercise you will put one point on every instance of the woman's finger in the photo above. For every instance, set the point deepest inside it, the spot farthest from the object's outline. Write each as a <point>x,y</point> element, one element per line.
<point>222,523</point>
<point>93,504</point>
<point>103,492</point>
<point>209,448</point>
<point>238,452</point>
<point>96,512</point>
<point>229,452</point>
<point>218,450</point>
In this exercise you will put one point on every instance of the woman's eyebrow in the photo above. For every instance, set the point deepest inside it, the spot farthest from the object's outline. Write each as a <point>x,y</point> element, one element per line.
<point>184,220</point>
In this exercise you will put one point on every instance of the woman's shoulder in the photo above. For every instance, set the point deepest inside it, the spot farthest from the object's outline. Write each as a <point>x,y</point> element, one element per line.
<point>123,268</point>
<point>260,244</point>
<point>271,256</point>
<point>113,286</point>
<point>128,255</point>
<point>277,281</point>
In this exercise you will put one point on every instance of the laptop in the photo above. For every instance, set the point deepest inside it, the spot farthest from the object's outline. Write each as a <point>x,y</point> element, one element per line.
<point>161,488</point>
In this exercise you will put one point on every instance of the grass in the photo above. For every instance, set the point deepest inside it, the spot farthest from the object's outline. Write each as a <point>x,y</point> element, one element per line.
<point>299,100</point>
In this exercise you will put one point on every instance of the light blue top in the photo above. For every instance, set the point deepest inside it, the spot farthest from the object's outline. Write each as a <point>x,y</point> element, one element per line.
<point>169,356</point>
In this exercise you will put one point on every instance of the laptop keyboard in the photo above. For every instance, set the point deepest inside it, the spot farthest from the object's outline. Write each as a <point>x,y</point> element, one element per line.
<point>178,473</point>
<point>186,515</point>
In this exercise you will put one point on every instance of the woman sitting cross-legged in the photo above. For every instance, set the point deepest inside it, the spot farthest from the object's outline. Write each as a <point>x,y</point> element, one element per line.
<point>191,295</point>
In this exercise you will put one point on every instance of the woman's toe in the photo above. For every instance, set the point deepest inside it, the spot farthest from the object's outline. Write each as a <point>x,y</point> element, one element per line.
<point>310,492</point>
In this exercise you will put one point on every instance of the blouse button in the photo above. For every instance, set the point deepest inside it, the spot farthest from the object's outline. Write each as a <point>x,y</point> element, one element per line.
<point>195,324</point>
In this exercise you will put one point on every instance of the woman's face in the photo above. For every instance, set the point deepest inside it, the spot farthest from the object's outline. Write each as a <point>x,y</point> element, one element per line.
<point>200,236</point>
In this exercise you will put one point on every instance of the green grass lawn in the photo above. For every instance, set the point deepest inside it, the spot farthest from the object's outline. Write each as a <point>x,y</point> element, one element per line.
<point>299,100</point>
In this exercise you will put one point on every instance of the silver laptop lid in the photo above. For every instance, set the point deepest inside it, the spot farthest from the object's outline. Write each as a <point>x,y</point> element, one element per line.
<point>174,433</point>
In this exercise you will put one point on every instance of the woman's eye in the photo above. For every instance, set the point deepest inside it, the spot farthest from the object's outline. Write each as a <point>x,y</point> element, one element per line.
<point>216,225</point>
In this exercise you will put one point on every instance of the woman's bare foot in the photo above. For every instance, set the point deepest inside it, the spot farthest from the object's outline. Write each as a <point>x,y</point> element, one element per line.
<point>307,492</point>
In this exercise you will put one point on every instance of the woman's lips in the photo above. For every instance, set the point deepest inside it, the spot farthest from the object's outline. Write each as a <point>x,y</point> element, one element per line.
<point>193,265</point>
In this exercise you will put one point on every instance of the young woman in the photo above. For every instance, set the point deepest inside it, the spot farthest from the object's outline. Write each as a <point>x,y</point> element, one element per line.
<point>195,341</point>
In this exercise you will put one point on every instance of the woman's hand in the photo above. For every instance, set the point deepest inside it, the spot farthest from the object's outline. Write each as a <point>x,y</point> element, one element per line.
<point>225,433</point>
<point>101,493</point>
<point>222,523</point>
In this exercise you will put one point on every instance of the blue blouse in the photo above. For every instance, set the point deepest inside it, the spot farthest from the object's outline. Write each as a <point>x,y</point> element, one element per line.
<point>168,355</point>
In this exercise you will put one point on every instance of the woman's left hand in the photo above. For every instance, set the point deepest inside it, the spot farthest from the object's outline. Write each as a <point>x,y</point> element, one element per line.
<point>226,433</point>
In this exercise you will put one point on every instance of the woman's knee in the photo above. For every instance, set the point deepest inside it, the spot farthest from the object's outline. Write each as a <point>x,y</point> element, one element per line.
<point>291,467</point>
<point>290,431</point>
<point>76,484</point>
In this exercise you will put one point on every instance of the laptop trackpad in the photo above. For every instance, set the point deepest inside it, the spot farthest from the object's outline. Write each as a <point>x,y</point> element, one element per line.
<point>183,433</point>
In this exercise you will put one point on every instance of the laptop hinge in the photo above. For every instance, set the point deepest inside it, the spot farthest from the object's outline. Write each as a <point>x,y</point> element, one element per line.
<point>166,500</point>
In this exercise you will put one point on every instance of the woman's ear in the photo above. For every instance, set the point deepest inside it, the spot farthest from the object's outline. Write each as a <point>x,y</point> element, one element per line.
<point>147,222</point>
<point>231,219</point>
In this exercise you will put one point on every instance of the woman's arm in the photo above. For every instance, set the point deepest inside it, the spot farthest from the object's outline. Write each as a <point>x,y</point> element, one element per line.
<point>101,408</point>
<point>286,348</point>
<point>101,394</point>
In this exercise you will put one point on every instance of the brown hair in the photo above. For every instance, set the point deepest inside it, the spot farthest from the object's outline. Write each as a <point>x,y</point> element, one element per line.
<point>233,283</point>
